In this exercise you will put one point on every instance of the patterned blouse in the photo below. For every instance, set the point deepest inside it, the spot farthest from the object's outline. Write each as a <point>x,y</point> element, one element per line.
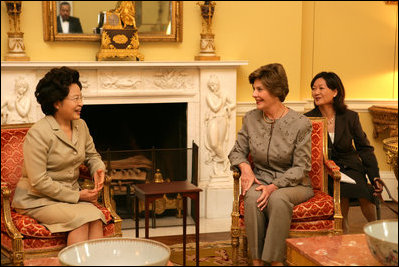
<point>280,151</point>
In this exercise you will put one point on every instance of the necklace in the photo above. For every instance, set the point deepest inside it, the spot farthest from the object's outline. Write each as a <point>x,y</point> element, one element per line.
<point>271,121</point>
<point>331,121</point>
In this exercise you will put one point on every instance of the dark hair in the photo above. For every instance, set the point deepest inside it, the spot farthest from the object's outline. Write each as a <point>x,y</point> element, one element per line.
<point>65,3</point>
<point>333,83</point>
<point>274,78</point>
<point>54,86</point>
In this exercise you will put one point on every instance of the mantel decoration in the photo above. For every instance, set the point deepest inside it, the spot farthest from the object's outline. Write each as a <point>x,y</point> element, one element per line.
<point>119,38</point>
<point>16,45</point>
<point>207,44</point>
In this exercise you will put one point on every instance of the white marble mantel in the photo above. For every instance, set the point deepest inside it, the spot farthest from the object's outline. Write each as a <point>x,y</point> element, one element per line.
<point>208,87</point>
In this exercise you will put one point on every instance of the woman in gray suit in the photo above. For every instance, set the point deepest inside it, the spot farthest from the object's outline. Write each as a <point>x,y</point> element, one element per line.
<point>344,130</point>
<point>54,148</point>
<point>279,141</point>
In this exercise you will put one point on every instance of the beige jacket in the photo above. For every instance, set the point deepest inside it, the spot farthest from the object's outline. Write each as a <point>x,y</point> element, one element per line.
<point>51,164</point>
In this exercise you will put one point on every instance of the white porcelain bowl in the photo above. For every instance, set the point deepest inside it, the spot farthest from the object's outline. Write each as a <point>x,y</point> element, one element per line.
<point>382,239</point>
<point>115,251</point>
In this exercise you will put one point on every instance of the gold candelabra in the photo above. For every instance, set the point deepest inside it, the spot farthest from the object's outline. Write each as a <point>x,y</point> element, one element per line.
<point>207,43</point>
<point>16,44</point>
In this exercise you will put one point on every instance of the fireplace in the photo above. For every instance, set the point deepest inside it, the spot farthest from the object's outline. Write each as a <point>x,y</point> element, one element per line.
<point>158,90</point>
<point>137,126</point>
<point>136,140</point>
<point>144,136</point>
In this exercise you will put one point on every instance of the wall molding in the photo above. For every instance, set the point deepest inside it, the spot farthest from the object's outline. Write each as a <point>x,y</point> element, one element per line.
<point>392,183</point>
<point>358,105</point>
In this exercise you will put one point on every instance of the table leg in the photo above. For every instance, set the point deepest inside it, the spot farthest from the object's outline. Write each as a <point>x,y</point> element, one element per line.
<point>153,214</point>
<point>147,231</point>
<point>136,207</point>
<point>184,228</point>
<point>128,200</point>
<point>197,215</point>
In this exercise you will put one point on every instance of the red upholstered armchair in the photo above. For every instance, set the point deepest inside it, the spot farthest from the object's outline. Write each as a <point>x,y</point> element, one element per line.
<point>22,237</point>
<point>320,215</point>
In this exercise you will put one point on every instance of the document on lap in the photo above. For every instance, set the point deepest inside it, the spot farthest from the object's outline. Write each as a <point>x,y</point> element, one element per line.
<point>346,179</point>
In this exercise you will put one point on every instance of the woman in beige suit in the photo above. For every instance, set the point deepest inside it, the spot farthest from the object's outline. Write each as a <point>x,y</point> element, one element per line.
<point>54,148</point>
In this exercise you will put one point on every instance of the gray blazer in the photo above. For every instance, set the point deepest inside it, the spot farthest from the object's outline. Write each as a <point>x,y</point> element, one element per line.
<point>51,164</point>
<point>281,152</point>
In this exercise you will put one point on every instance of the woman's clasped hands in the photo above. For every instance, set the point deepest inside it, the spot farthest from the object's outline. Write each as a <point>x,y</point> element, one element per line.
<point>91,195</point>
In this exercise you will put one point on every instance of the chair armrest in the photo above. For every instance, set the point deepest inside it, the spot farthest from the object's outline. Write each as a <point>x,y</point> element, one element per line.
<point>11,229</point>
<point>106,199</point>
<point>235,214</point>
<point>106,196</point>
<point>333,170</point>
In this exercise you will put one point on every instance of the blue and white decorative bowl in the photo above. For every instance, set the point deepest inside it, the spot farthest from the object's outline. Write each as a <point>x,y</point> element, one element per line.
<point>115,251</point>
<point>382,239</point>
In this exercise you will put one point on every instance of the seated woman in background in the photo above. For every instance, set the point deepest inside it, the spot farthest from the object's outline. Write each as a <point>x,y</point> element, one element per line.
<point>344,129</point>
<point>279,141</point>
<point>54,148</point>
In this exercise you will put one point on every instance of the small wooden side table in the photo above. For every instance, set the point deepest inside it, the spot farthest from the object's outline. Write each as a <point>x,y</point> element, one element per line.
<point>150,192</point>
<point>339,250</point>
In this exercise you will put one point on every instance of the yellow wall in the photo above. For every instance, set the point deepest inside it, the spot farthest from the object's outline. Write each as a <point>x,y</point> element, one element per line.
<point>357,40</point>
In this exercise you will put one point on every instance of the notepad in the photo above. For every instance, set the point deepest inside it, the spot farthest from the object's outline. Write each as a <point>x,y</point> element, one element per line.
<point>346,179</point>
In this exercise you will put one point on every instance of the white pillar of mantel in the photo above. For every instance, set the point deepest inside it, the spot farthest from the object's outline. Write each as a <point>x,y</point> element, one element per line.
<point>208,87</point>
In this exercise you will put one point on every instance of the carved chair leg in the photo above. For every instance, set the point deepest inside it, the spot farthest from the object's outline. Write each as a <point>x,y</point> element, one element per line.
<point>17,258</point>
<point>235,244</point>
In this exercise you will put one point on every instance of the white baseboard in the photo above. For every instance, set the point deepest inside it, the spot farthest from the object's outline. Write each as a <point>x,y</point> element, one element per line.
<point>392,183</point>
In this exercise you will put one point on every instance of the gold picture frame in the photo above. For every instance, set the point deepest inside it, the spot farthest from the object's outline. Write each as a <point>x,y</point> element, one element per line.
<point>50,26</point>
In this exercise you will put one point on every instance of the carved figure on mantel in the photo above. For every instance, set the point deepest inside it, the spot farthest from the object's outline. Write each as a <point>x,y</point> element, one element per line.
<point>113,81</point>
<point>217,122</point>
<point>16,109</point>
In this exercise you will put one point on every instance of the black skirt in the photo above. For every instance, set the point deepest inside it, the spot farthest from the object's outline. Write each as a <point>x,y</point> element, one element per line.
<point>354,191</point>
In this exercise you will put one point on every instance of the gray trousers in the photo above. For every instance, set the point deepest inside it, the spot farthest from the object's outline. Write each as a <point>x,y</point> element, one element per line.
<point>267,230</point>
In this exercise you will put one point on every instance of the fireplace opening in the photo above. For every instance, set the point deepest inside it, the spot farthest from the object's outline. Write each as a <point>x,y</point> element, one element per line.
<point>123,131</point>
<point>137,126</point>
<point>139,141</point>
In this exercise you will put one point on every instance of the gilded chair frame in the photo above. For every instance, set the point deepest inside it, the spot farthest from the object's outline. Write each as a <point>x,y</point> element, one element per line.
<point>329,168</point>
<point>17,255</point>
